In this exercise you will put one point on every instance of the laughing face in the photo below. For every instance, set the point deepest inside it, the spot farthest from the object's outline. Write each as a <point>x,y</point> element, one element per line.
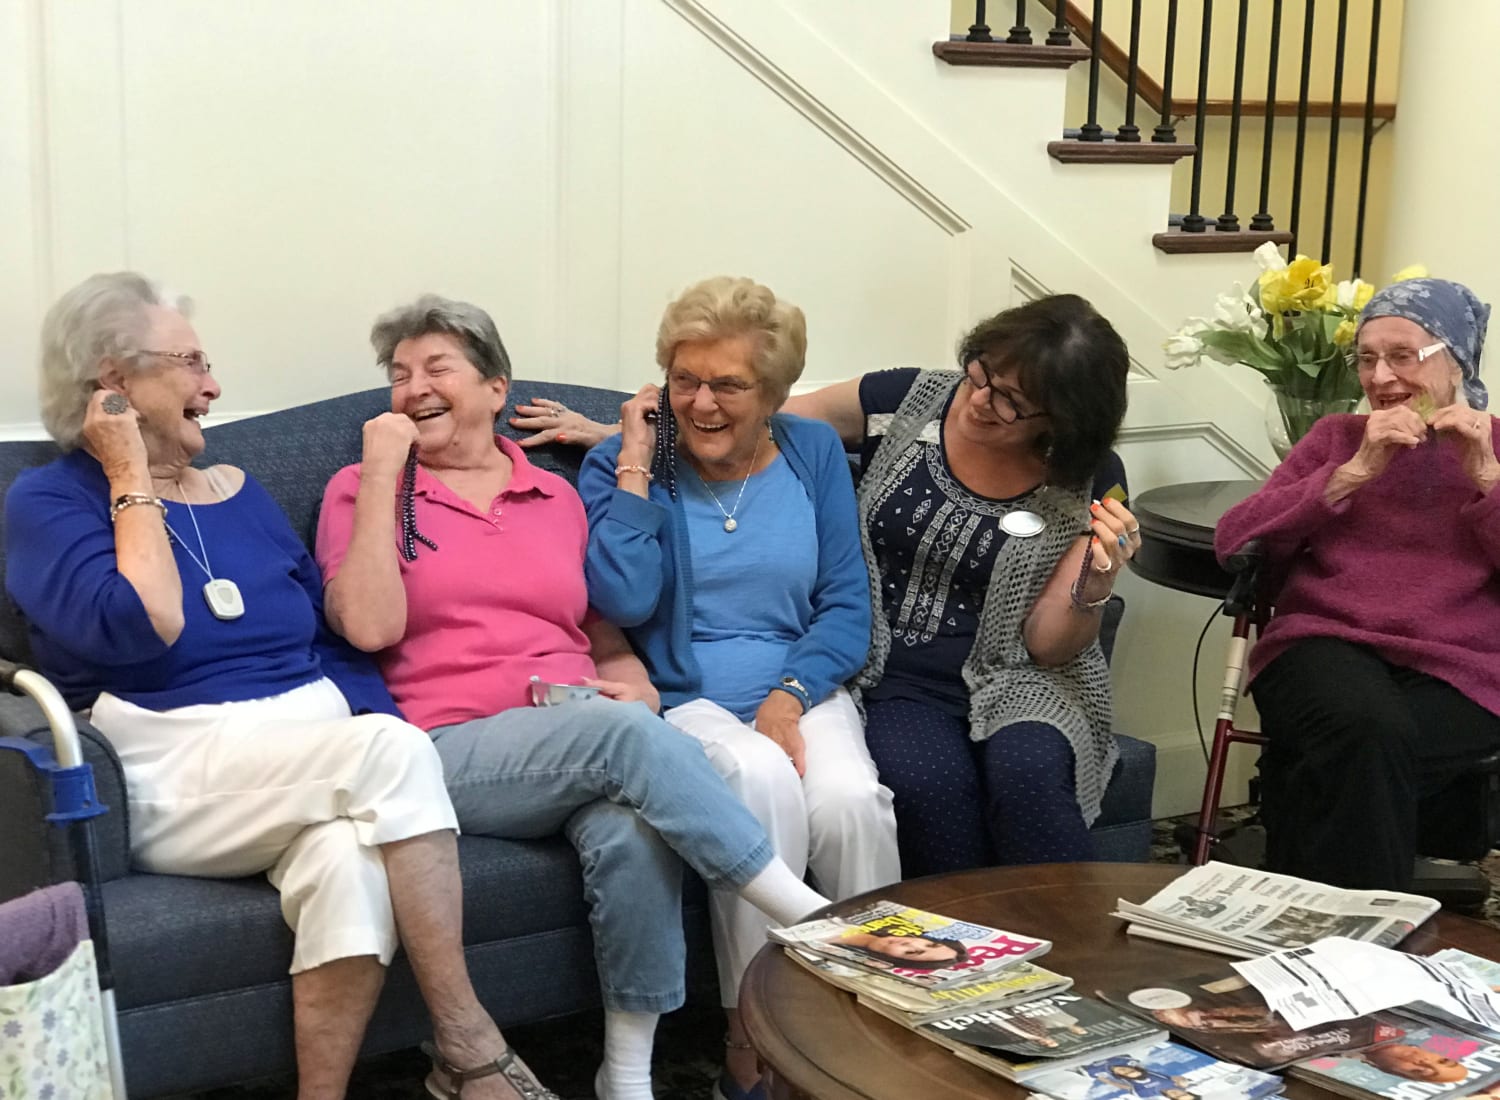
<point>1393,371</point>
<point>720,405</point>
<point>452,404</point>
<point>170,387</point>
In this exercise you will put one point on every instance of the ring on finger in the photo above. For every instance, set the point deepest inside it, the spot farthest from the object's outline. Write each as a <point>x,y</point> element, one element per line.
<point>1136,530</point>
<point>1109,563</point>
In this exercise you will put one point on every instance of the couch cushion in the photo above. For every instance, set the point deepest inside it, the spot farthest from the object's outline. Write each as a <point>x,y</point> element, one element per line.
<point>167,933</point>
<point>1128,797</point>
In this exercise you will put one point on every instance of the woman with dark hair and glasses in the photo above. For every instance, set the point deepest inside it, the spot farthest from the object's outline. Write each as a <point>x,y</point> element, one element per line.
<point>994,523</point>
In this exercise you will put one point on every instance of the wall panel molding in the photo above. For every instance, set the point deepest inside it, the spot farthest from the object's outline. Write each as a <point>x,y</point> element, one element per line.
<point>820,115</point>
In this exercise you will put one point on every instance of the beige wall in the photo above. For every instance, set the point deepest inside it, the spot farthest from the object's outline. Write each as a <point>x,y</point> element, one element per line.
<point>1446,155</point>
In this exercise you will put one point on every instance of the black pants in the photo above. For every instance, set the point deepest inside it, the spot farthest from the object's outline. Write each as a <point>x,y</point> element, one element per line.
<point>1363,765</point>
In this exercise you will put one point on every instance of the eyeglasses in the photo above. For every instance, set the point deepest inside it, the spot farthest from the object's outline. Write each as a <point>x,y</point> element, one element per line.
<point>194,361</point>
<point>684,384</point>
<point>1002,404</point>
<point>1398,359</point>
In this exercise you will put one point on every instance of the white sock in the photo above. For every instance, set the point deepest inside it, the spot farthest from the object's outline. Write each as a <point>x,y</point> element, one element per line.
<point>781,895</point>
<point>626,1072</point>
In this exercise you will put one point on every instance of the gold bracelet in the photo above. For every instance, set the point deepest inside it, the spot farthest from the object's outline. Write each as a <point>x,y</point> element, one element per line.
<point>632,469</point>
<point>127,500</point>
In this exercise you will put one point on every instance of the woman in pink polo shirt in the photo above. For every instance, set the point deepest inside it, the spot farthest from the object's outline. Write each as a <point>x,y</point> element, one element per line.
<point>459,565</point>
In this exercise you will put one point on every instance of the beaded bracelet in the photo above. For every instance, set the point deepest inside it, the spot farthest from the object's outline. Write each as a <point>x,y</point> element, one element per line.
<point>633,469</point>
<point>1076,594</point>
<point>128,500</point>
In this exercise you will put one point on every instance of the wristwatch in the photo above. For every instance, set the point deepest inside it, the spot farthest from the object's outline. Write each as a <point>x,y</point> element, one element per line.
<point>793,686</point>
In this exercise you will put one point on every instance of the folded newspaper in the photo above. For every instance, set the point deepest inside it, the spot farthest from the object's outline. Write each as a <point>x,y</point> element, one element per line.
<point>912,945</point>
<point>1243,912</point>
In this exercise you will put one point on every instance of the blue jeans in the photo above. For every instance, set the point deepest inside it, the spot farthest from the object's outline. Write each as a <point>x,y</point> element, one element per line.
<point>633,795</point>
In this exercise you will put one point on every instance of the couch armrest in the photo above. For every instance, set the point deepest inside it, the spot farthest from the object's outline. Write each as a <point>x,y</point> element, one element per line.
<point>36,852</point>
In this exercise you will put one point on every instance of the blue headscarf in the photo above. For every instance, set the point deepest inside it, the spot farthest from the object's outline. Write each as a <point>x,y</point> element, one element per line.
<point>1449,311</point>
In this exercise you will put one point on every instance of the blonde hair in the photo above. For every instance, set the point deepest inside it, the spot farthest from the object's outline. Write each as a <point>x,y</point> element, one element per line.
<point>726,306</point>
<point>103,317</point>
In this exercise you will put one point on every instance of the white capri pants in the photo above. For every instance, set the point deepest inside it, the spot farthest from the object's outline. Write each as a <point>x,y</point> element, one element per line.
<point>293,786</point>
<point>837,819</point>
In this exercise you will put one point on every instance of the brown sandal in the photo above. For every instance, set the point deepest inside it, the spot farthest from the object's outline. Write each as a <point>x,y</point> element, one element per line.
<point>516,1073</point>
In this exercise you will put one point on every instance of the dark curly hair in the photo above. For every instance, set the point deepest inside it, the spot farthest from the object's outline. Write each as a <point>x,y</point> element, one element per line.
<point>1071,364</point>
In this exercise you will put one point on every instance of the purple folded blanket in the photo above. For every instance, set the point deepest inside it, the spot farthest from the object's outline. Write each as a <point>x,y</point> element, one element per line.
<point>39,931</point>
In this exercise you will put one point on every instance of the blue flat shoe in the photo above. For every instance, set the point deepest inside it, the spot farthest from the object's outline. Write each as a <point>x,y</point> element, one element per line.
<point>726,1088</point>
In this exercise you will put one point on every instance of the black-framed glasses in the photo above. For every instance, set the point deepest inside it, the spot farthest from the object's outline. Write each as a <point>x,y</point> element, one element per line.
<point>1002,404</point>
<point>194,361</point>
<point>683,384</point>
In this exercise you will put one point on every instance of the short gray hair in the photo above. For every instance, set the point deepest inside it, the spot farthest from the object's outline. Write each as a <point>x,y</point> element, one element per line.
<point>471,326</point>
<point>103,317</point>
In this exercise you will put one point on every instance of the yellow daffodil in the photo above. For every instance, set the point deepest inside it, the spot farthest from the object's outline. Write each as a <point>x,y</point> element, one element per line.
<point>1301,286</point>
<point>1343,336</point>
<point>1411,271</point>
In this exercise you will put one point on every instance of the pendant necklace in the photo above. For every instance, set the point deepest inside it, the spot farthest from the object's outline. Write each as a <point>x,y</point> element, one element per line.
<point>221,594</point>
<point>729,522</point>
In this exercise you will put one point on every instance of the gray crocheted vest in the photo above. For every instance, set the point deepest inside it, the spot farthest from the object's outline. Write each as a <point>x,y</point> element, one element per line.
<point>1005,686</point>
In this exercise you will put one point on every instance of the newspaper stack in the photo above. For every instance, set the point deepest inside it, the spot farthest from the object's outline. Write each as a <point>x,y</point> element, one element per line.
<point>1243,912</point>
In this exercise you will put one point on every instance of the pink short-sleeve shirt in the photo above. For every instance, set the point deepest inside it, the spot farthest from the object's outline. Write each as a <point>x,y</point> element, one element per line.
<point>502,598</point>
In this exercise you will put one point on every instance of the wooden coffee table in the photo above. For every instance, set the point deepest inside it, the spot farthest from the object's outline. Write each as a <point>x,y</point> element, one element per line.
<point>816,1042</point>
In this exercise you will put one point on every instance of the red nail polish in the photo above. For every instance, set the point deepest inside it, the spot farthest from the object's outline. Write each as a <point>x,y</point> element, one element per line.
<point>561,438</point>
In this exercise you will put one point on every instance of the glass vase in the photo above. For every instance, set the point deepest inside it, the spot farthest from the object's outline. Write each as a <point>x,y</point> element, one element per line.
<point>1289,416</point>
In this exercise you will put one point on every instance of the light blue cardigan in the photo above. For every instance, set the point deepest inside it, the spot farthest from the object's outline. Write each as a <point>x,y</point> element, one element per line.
<point>640,574</point>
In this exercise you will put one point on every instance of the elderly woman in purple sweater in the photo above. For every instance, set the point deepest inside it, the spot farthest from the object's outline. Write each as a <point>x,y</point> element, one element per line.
<point>1378,679</point>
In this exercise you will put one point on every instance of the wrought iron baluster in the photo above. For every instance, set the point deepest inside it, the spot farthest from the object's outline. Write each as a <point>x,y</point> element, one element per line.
<point>1020,34</point>
<point>1059,35</point>
<point>1301,144</point>
<point>1091,130</point>
<point>1165,129</point>
<point>1193,221</point>
<point>1228,221</point>
<point>1129,131</point>
<point>1333,128</point>
<point>980,30</point>
<point>1262,221</point>
<point>1369,137</point>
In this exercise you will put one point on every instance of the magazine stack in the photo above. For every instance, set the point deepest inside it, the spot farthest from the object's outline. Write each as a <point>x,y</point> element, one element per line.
<point>976,991</point>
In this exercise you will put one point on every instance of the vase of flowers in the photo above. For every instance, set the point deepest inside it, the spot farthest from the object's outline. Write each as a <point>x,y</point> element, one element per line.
<point>1294,325</point>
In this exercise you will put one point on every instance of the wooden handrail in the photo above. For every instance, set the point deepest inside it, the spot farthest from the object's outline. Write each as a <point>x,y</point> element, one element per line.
<point>1118,62</point>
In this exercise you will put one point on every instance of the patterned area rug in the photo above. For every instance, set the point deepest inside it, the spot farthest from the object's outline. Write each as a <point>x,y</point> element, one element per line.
<point>566,1052</point>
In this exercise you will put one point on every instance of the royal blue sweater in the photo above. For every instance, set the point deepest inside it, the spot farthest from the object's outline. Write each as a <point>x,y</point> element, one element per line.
<point>640,577</point>
<point>90,632</point>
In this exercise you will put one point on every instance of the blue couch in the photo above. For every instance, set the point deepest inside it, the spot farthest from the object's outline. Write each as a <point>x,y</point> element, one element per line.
<point>200,965</point>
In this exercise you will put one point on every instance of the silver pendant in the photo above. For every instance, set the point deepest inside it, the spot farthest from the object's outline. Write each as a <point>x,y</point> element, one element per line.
<point>224,599</point>
<point>729,524</point>
<point>1023,525</point>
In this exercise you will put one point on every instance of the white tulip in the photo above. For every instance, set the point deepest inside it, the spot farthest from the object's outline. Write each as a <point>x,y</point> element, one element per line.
<point>1268,256</point>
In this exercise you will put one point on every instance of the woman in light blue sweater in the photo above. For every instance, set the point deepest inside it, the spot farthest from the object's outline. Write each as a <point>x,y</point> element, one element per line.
<point>738,576</point>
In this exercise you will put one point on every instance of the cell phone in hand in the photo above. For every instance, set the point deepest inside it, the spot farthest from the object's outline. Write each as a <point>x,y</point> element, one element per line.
<point>544,693</point>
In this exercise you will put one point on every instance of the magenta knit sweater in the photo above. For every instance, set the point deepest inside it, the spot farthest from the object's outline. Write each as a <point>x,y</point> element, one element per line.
<point>1406,564</point>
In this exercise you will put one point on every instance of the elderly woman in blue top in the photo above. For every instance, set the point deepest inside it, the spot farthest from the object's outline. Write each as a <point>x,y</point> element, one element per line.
<point>733,562</point>
<point>177,601</point>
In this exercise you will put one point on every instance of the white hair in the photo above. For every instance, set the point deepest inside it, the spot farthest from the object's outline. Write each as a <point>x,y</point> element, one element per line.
<point>103,317</point>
